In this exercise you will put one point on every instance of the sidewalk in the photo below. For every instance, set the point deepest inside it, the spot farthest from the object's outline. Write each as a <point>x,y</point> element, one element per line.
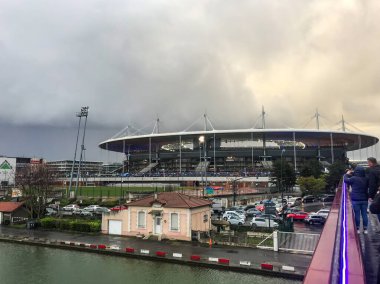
<point>234,254</point>
<point>371,250</point>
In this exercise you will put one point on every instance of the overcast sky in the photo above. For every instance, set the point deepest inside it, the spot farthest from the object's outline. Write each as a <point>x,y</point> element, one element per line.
<point>131,61</point>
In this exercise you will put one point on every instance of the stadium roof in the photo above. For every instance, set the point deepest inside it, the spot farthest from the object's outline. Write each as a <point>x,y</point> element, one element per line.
<point>310,137</point>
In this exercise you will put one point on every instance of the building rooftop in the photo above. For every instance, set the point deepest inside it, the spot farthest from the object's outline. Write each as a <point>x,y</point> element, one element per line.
<point>10,206</point>
<point>171,200</point>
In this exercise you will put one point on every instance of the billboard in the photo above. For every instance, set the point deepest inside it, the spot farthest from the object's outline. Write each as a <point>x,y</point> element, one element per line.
<point>7,170</point>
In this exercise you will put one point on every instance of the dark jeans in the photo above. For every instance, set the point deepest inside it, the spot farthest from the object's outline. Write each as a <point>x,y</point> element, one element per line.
<point>360,207</point>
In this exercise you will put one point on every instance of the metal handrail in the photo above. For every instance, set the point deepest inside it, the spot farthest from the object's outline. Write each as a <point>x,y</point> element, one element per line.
<point>338,257</point>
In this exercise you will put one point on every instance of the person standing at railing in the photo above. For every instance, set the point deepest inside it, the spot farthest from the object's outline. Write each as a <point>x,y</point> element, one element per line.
<point>359,195</point>
<point>373,179</point>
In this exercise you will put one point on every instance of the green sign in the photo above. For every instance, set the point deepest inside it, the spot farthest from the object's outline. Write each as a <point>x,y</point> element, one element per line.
<point>5,166</point>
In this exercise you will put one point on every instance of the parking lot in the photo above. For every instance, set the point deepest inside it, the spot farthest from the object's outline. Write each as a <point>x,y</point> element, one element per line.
<point>299,225</point>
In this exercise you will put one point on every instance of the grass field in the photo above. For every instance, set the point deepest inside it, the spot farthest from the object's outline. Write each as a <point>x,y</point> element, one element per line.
<point>117,191</point>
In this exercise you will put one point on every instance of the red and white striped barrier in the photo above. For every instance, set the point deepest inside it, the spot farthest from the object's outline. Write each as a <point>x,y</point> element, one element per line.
<point>288,268</point>
<point>267,266</point>
<point>160,253</point>
<point>224,261</point>
<point>102,246</point>
<point>130,250</point>
<point>195,257</point>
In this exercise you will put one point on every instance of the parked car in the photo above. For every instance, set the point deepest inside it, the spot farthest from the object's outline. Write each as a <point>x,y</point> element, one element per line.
<point>82,212</point>
<point>314,219</point>
<point>91,208</point>
<point>298,215</point>
<point>250,206</point>
<point>323,212</point>
<point>233,213</point>
<point>328,198</point>
<point>270,216</point>
<point>253,212</point>
<point>119,208</point>
<point>101,210</point>
<point>233,220</point>
<point>50,211</point>
<point>309,199</point>
<point>288,211</point>
<point>258,222</point>
<point>294,201</point>
<point>70,207</point>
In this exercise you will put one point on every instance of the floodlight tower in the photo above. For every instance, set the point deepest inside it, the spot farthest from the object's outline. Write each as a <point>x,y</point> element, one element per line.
<point>78,114</point>
<point>83,113</point>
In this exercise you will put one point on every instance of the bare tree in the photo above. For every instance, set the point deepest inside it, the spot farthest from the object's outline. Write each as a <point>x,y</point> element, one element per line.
<point>35,182</point>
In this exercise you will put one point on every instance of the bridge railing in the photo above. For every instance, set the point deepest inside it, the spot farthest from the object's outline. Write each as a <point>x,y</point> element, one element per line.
<point>338,256</point>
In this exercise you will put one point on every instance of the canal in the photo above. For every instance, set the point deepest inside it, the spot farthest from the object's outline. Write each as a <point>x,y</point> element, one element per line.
<point>29,264</point>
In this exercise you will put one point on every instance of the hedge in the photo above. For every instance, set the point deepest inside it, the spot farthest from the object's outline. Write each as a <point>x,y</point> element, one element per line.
<point>71,224</point>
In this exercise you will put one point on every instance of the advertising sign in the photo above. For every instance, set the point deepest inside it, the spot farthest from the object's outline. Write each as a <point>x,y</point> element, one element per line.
<point>7,170</point>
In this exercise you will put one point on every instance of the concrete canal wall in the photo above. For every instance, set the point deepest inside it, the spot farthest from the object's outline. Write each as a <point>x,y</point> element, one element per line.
<point>244,266</point>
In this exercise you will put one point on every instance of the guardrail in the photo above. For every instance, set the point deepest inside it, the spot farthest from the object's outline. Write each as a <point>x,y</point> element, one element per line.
<point>338,256</point>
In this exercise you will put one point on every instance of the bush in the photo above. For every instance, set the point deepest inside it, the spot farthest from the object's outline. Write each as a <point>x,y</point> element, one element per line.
<point>48,222</point>
<point>71,225</point>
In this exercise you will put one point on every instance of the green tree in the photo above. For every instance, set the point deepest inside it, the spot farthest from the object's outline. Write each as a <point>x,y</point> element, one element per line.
<point>311,168</point>
<point>336,171</point>
<point>311,185</point>
<point>284,171</point>
<point>35,182</point>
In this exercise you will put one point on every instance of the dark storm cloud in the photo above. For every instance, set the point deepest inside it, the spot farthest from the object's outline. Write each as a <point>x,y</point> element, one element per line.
<point>132,61</point>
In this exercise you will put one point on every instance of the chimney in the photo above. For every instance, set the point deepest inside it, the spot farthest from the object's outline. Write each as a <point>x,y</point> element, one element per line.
<point>155,196</point>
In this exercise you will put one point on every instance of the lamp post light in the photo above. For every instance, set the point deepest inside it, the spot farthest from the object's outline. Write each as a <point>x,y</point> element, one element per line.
<point>203,164</point>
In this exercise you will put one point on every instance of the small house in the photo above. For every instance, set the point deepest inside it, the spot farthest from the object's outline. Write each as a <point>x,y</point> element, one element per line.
<point>13,213</point>
<point>170,215</point>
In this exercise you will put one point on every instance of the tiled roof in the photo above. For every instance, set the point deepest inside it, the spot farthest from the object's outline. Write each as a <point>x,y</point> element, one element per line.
<point>9,206</point>
<point>171,200</point>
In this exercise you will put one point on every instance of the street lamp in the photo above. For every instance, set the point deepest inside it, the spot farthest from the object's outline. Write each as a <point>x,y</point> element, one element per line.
<point>203,164</point>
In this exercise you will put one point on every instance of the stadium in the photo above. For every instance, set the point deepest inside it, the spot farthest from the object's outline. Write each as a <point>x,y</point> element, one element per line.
<point>232,152</point>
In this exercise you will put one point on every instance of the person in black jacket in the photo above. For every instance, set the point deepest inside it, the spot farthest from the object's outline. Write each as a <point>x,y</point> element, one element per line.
<point>373,177</point>
<point>359,195</point>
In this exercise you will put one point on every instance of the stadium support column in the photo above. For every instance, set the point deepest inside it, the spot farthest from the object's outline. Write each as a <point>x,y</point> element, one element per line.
<point>294,151</point>
<point>252,151</point>
<point>214,155</point>
<point>264,148</point>
<point>360,147</point>
<point>150,150</point>
<point>180,154</point>
<point>332,147</point>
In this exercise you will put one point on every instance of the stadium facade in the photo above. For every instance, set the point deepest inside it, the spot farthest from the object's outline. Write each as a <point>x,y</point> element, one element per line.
<point>237,150</point>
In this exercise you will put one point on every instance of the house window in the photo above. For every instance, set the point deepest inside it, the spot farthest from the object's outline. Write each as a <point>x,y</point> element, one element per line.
<point>141,219</point>
<point>174,222</point>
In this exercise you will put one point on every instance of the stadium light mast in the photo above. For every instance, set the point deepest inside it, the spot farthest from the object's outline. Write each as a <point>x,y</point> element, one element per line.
<point>262,118</point>
<point>83,113</point>
<point>78,114</point>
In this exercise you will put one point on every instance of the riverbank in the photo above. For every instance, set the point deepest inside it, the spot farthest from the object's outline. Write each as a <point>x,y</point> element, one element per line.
<point>245,260</point>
